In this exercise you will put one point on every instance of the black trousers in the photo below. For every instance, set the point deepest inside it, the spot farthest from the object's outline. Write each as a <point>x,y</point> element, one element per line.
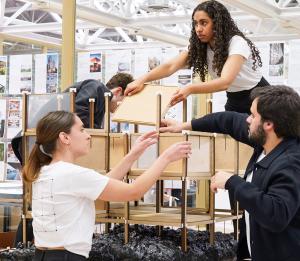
<point>240,101</point>
<point>56,255</point>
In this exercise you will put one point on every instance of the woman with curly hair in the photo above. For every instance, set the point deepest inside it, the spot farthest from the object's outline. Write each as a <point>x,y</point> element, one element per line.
<point>218,48</point>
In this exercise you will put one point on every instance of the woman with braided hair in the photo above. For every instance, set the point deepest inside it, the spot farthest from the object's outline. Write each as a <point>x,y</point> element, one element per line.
<point>219,48</point>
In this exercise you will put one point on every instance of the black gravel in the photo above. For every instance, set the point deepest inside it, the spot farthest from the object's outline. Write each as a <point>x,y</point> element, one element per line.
<point>144,244</point>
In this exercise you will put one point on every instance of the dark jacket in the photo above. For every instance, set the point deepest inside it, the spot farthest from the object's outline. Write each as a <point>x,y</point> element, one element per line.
<point>272,198</point>
<point>90,89</point>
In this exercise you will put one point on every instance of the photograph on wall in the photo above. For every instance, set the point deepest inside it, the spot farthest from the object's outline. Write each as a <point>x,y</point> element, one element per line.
<point>276,60</point>
<point>3,73</point>
<point>95,62</point>
<point>14,117</point>
<point>52,73</point>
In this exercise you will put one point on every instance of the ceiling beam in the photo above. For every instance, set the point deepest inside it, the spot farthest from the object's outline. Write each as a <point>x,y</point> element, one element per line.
<point>42,27</point>
<point>16,14</point>
<point>105,19</point>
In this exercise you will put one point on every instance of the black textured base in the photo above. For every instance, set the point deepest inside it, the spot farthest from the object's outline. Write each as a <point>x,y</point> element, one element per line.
<point>145,245</point>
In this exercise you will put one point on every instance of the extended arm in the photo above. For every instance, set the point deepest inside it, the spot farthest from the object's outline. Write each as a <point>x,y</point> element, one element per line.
<point>161,71</point>
<point>116,190</point>
<point>143,142</point>
<point>229,72</point>
<point>231,123</point>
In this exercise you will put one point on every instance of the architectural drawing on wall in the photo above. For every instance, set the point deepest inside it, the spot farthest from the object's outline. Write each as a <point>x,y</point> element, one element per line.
<point>3,73</point>
<point>20,77</point>
<point>276,61</point>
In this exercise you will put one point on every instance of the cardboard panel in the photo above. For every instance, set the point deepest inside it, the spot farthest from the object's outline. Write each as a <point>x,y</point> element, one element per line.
<point>118,147</point>
<point>226,154</point>
<point>141,108</point>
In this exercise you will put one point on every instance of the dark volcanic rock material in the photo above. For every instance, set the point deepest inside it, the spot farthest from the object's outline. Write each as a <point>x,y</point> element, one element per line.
<point>145,245</point>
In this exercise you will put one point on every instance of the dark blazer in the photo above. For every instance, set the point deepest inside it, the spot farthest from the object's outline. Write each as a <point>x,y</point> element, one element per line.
<point>272,198</point>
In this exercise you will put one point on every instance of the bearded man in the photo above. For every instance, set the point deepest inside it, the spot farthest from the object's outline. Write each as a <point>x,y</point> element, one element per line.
<point>269,193</point>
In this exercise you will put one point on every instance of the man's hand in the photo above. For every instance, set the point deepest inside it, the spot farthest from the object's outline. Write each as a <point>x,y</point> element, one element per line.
<point>169,125</point>
<point>134,87</point>
<point>219,180</point>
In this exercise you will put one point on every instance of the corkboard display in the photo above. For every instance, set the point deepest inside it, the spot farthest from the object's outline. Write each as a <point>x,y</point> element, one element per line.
<point>141,108</point>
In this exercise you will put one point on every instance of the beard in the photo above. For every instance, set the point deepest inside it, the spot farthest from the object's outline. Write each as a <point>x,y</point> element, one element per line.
<point>258,136</point>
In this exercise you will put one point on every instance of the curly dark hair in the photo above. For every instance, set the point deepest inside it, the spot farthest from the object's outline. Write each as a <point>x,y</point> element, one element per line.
<point>224,29</point>
<point>120,80</point>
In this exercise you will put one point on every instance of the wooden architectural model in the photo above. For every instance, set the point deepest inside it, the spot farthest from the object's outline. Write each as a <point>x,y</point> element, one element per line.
<point>208,154</point>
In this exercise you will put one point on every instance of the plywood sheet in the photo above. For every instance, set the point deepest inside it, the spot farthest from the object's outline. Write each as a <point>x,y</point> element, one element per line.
<point>141,108</point>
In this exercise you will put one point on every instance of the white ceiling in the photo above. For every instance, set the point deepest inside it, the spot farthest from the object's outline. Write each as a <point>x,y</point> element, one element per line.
<point>109,24</point>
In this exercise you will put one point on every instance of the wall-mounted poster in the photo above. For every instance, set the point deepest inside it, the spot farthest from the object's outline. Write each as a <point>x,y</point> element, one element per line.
<point>117,61</point>
<point>89,66</point>
<point>46,73</point>
<point>20,77</point>
<point>3,73</point>
<point>145,60</point>
<point>14,117</point>
<point>52,73</point>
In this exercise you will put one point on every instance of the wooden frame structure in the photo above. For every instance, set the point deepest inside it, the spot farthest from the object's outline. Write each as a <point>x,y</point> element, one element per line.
<point>108,148</point>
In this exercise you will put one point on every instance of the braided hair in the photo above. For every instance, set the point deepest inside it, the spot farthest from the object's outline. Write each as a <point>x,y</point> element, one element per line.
<point>224,29</point>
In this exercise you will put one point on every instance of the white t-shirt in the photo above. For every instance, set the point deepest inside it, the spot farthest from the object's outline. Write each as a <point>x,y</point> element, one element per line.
<point>247,78</point>
<point>247,217</point>
<point>63,208</point>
